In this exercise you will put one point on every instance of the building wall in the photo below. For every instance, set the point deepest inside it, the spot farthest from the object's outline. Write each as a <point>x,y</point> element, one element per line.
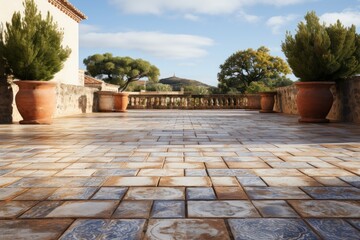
<point>346,106</point>
<point>69,74</point>
<point>71,100</point>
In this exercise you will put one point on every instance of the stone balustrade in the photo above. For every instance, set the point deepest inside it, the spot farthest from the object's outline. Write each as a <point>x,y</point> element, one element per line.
<point>186,101</point>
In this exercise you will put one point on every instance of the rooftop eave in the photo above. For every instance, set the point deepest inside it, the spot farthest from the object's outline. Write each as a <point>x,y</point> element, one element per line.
<point>69,9</point>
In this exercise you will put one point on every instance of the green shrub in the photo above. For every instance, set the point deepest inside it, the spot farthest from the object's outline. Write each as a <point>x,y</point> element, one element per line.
<point>322,53</point>
<point>31,46</point>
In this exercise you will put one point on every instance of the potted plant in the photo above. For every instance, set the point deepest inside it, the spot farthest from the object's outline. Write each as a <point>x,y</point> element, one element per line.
<point>320,55</point>
<point>120,71</point>
<point>31,49</point>
<point>267,95</point>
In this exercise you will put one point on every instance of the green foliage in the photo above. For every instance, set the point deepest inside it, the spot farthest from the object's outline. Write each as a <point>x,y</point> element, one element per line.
<point>244,67</point>
<point>31,46</point>
<point>197,90</point>
<point>321,53</point>
<point>256,87</point>
<point>120,70</point>
<point>158,87</point>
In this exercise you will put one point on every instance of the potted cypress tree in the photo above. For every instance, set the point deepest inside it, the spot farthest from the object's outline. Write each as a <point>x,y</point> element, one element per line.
<point>320,55</point>
<point>31,49</point>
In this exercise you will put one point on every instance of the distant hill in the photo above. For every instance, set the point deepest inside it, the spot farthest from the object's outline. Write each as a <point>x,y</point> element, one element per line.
<point>178,83</point>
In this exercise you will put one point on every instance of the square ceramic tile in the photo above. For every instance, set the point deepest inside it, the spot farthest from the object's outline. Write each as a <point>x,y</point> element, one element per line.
<point>326,208</point>
<point>72,193</point>
<point>271,229</point>
<point>161,172</point>
<point>186,229</point>
<point>275,209</point>
<point>346,193</point>
<point>168,209</point>
<point>251,182</point>
<point>131,181</point>
<point>334,229</point>
<point>290,181</point>
<point>155,193</point>
<point>14,208</point>
<point>224,181</point>
<point>275,193</point>
<point>81,209</point>
<point>200,193</point>
<point>33,229</point>
<point>105,229</point>
<point>221,209</point>
<point>110,193</point>
<point>184,181</point>
<point>230,193</point>
<point>36,194</point>
<point>133,209</point>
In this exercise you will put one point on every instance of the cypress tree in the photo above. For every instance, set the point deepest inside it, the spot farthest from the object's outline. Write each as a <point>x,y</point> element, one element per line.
<point>322,53</point>
<point>31,46</point>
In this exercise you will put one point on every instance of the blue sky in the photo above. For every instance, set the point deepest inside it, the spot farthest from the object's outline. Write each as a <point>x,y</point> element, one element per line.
<point>191,38</point>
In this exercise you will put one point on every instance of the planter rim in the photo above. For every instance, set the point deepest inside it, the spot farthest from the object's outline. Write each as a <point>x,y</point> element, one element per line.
<point>268,92</point>
<point>316,82</point>
<point>19,82</point>
<point>121,93</point>
<point>105,92</point>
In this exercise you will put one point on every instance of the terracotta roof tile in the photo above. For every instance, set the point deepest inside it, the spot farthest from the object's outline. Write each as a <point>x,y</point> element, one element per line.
<point>68,9</point>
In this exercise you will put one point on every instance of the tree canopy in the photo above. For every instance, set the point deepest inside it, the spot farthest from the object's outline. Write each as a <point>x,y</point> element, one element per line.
<point>30,46</point>
<point>120,70</point>
<point>244,67</point>
<point>322,53</point>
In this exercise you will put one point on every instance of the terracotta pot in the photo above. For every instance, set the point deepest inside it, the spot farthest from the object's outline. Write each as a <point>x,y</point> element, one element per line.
<point>36,101</point>
<point>253,101</point>
<point>121,101</point>
<point>314,101</point>
<point>106,101</point>
<point>267,102</point>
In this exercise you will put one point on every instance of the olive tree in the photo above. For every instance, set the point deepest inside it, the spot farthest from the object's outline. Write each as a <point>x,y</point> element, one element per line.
<point>244,67</point>
<point>120,70</point>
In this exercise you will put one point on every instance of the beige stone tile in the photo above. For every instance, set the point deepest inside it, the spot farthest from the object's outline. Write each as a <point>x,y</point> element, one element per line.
<point>290,181</point>
<point>184,181</point>
<point>247,165</point>
<point>215,165</point>
<point>184,165</point>
<point>277,172</point>
<point>326,172</point>
<point>203,159</point>
<point>131,181</point>
<point>135,165</point>
<point>75,173</point>
<point>7,180</point>
<point>331,181</point>
<point>230,193</point>
<point>161,172</point>
<point>224,181</point>
<point>155,193</point>
<point>300,159</point>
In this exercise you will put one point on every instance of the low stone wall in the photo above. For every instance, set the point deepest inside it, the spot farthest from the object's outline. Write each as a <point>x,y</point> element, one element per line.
<point>71,100</point>
<point>346,106</point>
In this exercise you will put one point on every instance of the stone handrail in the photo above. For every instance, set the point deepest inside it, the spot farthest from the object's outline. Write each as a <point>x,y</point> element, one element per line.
<point>186,101</point>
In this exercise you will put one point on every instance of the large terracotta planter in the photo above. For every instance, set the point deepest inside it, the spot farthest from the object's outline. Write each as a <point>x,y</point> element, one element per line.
<point>121,101</point>
<point>267,102</point>
<point>253,101</point>
<point>314,101</point>
<point>106,101</point>
<point>36,101</point>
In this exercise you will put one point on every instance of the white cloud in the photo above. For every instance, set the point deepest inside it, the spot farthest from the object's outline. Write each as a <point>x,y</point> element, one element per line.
<point>277,22</point>
<point>163,45</point>
<point>213,7</point>
<point>191,17</point>
<point>347,17</point>
<point>248,17</point>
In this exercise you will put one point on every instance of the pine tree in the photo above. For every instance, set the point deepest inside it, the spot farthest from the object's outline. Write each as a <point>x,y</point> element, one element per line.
<point>322,53</point>
<point>31,46</point>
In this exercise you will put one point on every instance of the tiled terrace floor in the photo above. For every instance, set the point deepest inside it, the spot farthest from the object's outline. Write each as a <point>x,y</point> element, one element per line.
<point>180,175</point>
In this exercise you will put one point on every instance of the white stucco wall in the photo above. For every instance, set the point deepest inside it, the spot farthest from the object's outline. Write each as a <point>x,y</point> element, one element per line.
<point>69,74</point>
